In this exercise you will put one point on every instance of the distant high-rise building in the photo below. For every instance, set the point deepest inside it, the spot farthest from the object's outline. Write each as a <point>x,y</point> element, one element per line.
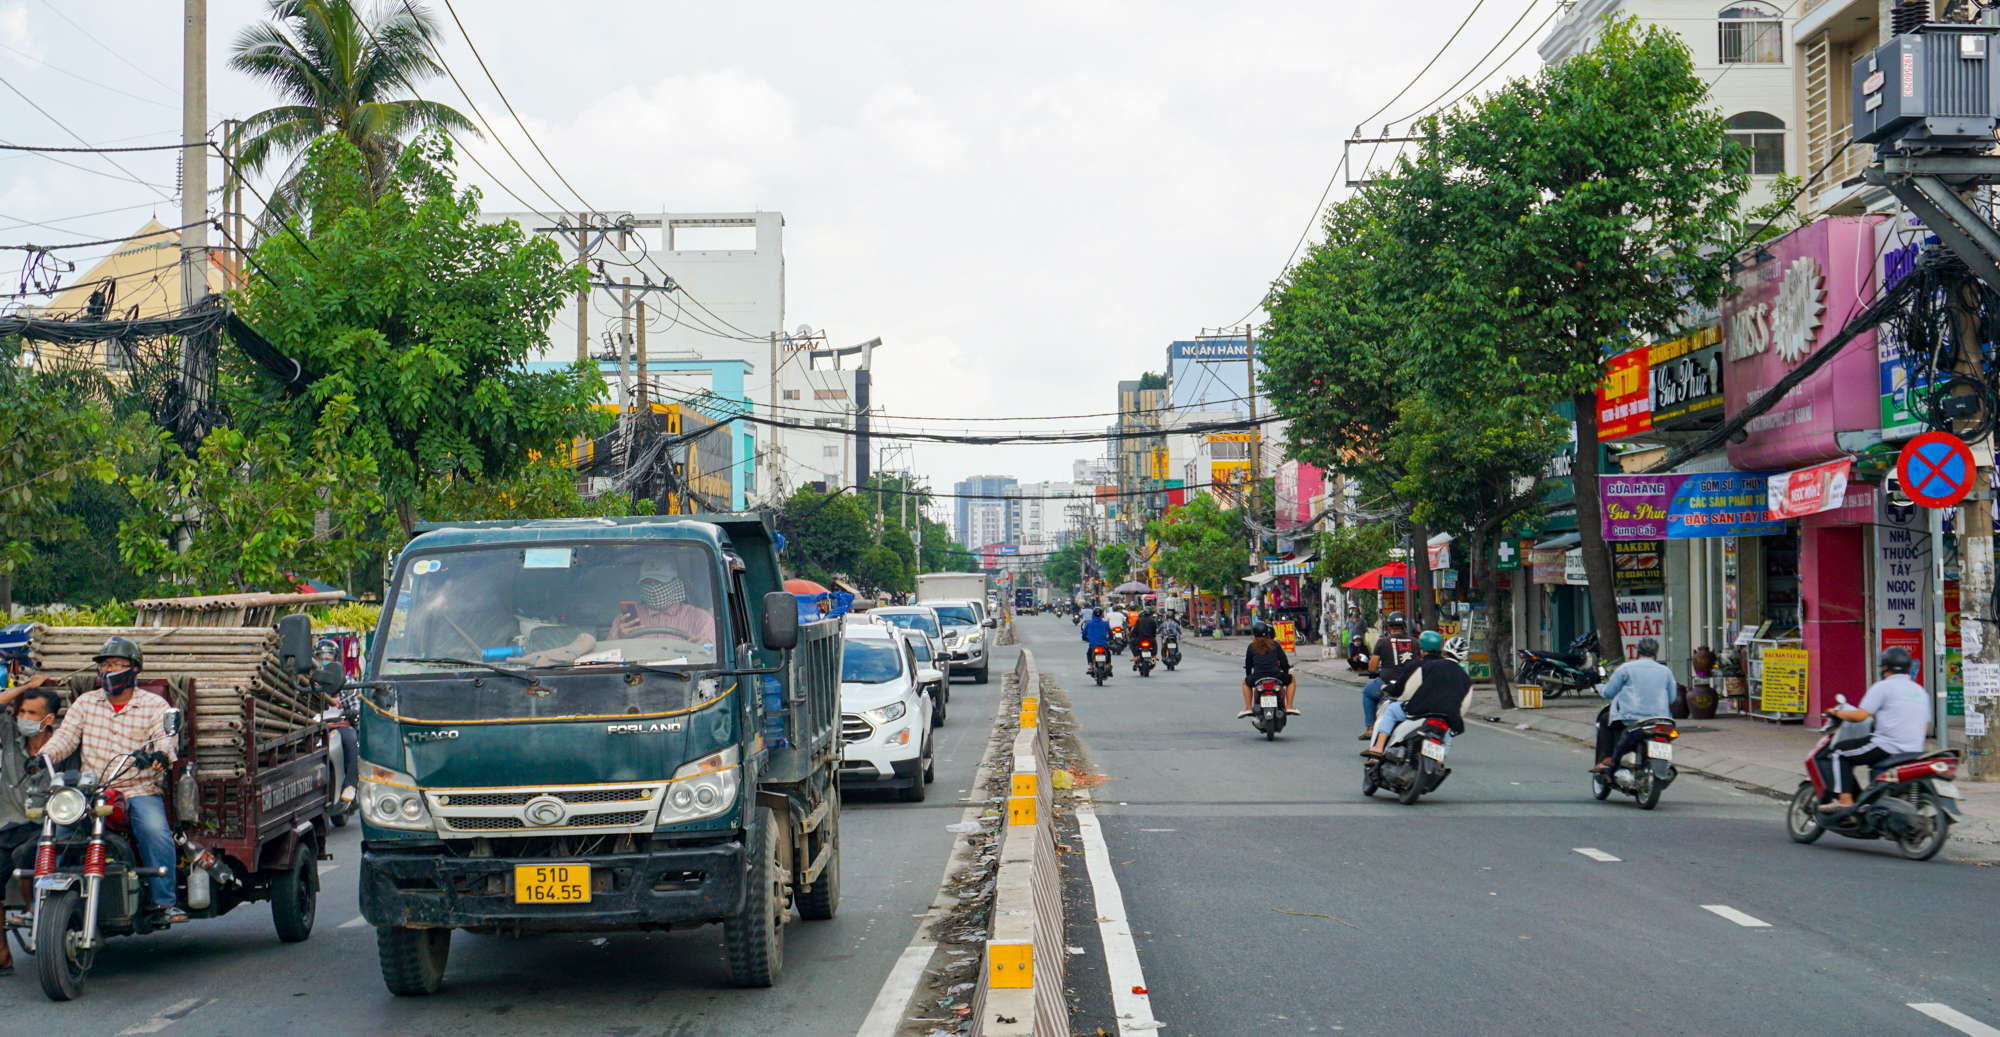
<point>983,509</point>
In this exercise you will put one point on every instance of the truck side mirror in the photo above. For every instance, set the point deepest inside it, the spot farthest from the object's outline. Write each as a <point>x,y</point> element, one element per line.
<point>781,620</point>
<point>330,678</point>
<point>295,643</point>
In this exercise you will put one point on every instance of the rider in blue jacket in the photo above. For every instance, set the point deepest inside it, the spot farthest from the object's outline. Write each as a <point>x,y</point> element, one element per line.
<point>1096,632</point>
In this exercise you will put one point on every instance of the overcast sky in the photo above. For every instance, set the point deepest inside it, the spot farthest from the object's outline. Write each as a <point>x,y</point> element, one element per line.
<point>1026,201</point>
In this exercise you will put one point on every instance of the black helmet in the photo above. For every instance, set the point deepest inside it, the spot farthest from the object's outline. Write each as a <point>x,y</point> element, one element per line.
<point>122,648</point>
<point>1261,629</point>
<point>1098,613</point>
<point>1896,659</point>
<point>1396,620</point>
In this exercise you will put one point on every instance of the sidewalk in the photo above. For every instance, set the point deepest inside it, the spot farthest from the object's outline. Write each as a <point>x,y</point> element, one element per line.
<point>1752,753</point>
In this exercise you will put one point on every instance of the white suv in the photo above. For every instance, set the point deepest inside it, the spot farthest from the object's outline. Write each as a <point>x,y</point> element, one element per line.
<point>965,638</point>
<point>885,716</point>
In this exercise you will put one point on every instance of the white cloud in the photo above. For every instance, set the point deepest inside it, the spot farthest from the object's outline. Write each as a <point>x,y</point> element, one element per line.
<point>14,31</point>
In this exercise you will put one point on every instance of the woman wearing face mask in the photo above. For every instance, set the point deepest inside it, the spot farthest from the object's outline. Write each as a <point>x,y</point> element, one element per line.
<point>28,726</point>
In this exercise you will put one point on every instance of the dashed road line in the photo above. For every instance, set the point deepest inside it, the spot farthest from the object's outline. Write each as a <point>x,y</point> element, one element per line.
<point>355,923</point>
<point>176,1014</point>
<point>1596,854</point>
<point>1955,1019</point>
<point>1748,921</point>
<point>1121,956</point>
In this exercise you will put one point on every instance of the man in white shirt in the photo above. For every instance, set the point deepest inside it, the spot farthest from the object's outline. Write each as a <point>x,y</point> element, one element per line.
<point>1118,619</point>
<point>1901,709</point>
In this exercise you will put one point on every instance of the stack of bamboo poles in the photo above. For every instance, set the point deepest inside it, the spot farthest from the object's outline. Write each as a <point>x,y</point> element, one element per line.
<point>241,696</point>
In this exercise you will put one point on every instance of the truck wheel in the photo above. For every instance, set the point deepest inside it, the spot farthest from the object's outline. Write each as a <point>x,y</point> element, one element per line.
<point>980,677</point>
<point>821,900</point>
<point>295,896</point>
<point>412,959</point>
<point>755,937</point>
<point>59,963</point>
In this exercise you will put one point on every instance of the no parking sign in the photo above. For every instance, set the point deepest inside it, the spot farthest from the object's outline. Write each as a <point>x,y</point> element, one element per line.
<point>1936,469</point>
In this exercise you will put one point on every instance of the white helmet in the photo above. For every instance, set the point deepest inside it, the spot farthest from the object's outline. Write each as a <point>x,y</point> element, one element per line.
<point>1457,649</point>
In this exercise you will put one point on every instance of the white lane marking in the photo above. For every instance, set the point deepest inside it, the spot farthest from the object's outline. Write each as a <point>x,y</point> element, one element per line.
<point>1596,854</point>
<point>324,868</point>
<point>1121,955</point>
<point>1955,1019</point>
<point>1745,920</point>
<point>168,1018</point>
<point>355,923</point>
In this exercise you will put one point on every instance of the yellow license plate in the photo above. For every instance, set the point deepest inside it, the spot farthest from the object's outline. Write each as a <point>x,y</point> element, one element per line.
<point>551,883</point>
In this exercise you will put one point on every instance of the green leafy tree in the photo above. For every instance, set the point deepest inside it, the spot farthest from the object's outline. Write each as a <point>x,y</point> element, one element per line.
<point>1112,564</point>
<point>1064,567</point>
<point>424,316</point>
<point>1202,546</point>
<point>878,569</point>
<point>257,511</point>
<point>53,438</point>
<point>1558,217</point>
<point>339,75</point>
<point>1473,470</point>
<point>826,535</point>
<point>542,489</point>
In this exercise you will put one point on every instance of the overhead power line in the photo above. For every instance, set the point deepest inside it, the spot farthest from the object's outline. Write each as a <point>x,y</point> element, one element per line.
<point>105,241</point>
<point>79,139</point>
<point>1016,438</point>
<point>509,104</point>
<point>94,151</point>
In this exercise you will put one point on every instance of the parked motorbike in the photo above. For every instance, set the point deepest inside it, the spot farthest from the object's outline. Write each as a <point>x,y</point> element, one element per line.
<point>1143,661</point>
<point>1100,663</point>
<point>1643,771</point>
<point>1909,798</point>
<point>1412,763</point>
<point>1170,651</point>
<point>1267,706</point>
<point>1578,669</point>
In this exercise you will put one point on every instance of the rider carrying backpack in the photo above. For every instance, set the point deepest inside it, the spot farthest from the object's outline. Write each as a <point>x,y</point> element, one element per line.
<point>1394,657</point>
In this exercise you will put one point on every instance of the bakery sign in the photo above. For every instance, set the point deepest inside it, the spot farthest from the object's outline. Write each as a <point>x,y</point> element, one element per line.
<point>1636,563</point>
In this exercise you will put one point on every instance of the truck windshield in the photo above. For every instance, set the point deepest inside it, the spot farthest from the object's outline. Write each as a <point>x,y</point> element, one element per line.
<point>546,606</point>
<point>956,615</point>
<point>911,621</point>
<point>870,662</point>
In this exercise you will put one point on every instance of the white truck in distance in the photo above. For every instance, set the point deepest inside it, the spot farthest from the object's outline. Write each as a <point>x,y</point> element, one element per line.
<point>953,587</point>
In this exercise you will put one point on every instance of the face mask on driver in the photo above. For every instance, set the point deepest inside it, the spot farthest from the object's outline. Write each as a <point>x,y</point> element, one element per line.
<point>28,728</point>
<point>118,682</point>
<point>661,594</point>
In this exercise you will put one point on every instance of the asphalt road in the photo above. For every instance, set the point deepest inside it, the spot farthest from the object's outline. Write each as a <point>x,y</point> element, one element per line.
<point>1472,912</point>
<point>231,976</point>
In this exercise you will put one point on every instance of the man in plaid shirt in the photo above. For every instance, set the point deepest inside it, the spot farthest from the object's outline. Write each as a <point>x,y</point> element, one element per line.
<point>109,723</point>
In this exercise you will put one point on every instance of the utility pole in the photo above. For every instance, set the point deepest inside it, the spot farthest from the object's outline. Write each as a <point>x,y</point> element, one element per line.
<point>645,394</point>
<point>1256,452</point>
<point>582,294</point>
<point>194,154</point>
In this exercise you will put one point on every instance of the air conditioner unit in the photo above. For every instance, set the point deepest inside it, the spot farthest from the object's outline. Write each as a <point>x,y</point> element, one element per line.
<point>1929,90</point>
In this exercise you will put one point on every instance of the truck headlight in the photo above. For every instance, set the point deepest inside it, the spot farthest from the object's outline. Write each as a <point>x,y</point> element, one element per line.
<point>67,805</point>
<point>391,799</point>
<point>887,714</point>
<point>704,788</point>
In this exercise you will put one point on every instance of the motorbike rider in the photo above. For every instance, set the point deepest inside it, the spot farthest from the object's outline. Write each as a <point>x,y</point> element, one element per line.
<point>1394,656</point>
<point>1642,689</point>
<point>327,653</point>
<point>25,732</point>
<point>1144,628</point>
<point>1096,634</point>
<point>1901,710</point>
<point>111,722</point>
<point>1117,618</point>
<point>1266,658</point>
<point>1436,687</point>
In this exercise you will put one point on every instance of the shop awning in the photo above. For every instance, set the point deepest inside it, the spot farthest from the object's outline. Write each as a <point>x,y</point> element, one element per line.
<point>1260,579</point>
<point>1564,542</point>
<point>1292,568</point>
<point>1372,579</point>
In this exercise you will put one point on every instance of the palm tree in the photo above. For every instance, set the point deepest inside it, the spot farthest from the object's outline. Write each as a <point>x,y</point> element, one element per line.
<point>342,75</point>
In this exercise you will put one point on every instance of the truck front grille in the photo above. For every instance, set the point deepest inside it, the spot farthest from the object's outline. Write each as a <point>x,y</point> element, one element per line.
<point>509,809</point>
<point>570,796</point>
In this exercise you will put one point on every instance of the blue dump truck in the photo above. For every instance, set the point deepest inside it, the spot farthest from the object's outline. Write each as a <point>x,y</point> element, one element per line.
<point>582,725</point>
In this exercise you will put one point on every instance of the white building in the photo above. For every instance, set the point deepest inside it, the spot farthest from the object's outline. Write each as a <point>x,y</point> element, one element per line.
<point>1046,511</point>
<point>1742,50</point>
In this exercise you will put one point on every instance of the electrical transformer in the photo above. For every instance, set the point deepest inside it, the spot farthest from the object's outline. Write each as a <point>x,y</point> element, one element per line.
<point>1933,89</point>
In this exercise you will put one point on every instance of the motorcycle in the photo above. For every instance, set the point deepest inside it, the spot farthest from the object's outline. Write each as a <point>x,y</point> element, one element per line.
<point>1909,798</point>
<point>1170,651</point>
<point>1143,661</point>
<point>1100,663</point>
<point>1118,641</point>
<point>1643,771</point>
<point>1577,670</point>
<point>340,733</point>
<point>1413,761</point>
<point>1267,706</point>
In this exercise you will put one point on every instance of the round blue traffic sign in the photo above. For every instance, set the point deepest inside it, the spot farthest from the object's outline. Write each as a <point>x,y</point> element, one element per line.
<point>1936,469</point>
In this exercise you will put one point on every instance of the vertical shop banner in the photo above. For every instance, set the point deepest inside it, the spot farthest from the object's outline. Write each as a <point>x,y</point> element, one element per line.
<point>1784,680</point>
<point>1954,677</point>
<point>1573,572</point>
<point>1287,637</point>
<point>1684,507</point>
<point>1903,594</point>
<point>1625,397</point>
<point>1439,548</point>
<point>1642,615</point>
<point>1898,241</point>
<point>1637,563</point>
<point>1808,491</point>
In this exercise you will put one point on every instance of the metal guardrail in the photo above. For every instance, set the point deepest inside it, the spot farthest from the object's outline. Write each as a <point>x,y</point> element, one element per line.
<point>1021,990</point>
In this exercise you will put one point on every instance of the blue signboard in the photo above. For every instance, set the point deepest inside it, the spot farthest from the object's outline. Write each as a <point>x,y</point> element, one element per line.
<point>1682,507</point>
<point>1392,583</point>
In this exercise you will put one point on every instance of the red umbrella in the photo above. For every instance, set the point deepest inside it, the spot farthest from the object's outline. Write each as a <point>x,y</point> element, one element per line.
<point>804,587</point>
<point>1372,579</point>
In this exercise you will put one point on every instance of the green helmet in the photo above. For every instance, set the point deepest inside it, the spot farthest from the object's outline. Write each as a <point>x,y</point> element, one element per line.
<point>1430,641</point>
